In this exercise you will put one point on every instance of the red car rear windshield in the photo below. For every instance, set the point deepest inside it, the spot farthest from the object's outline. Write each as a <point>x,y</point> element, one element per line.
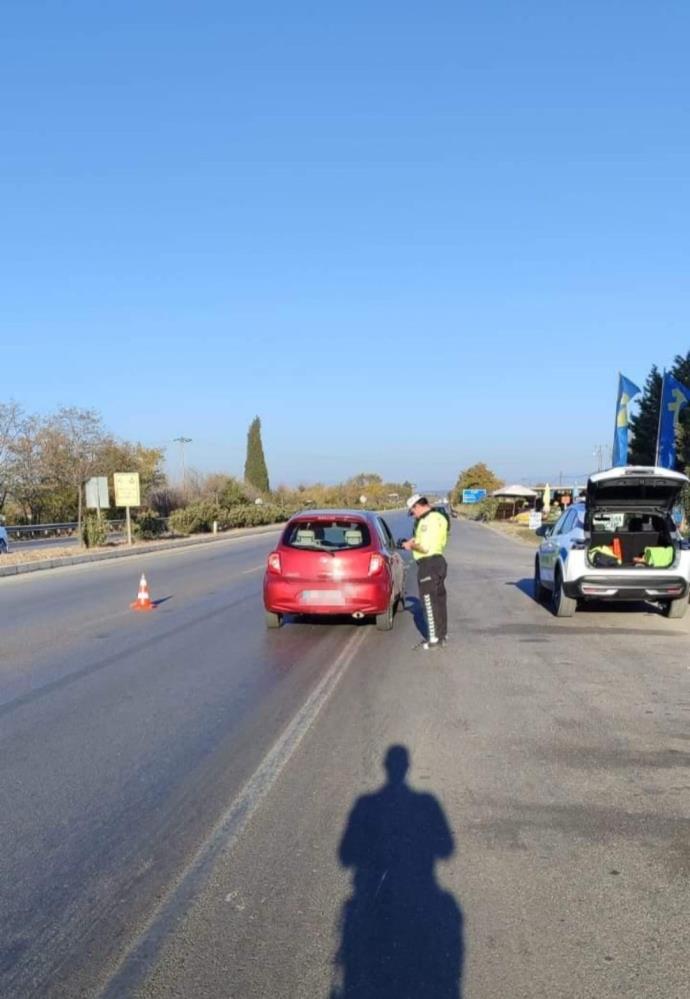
<point>327,535</point>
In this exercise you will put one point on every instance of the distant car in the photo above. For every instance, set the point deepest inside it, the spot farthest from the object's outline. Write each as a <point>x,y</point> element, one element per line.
<point>4,541</point>
<point>335,562</point>
<point>628,509</point>
<point>444,506</point>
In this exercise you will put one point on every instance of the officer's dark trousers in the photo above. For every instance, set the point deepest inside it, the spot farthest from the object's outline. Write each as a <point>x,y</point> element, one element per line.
<point>431,576</point>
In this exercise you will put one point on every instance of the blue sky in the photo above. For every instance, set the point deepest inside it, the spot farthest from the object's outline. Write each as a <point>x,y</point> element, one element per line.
<point>409,236</point>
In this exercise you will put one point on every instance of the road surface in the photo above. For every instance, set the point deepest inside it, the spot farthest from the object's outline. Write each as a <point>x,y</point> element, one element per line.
<point>195,807</point>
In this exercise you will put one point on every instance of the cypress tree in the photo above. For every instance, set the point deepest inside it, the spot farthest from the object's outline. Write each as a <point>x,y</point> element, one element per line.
<point>255,471</point>
<point>645,423</point>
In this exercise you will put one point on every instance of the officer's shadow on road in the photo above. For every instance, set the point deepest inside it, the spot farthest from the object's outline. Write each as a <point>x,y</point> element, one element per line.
<point>401,933</point>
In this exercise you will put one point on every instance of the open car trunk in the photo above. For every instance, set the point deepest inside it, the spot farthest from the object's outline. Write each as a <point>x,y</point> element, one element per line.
<point>629,511</point>
<point>632,533</point>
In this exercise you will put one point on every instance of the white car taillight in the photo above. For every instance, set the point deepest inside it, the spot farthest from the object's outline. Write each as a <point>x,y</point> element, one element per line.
<point>376,564</point>
<point>274,563</point>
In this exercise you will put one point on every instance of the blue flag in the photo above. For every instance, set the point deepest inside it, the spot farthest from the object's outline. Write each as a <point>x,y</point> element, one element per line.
<point>674,397</point>
<point>627,390</point>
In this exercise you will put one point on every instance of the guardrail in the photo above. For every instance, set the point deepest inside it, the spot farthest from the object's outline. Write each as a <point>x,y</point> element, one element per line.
<point>32,532</point>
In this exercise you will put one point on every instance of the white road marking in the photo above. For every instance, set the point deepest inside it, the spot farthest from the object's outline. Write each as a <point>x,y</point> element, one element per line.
<point>255,568</point>
<point>141,956</point>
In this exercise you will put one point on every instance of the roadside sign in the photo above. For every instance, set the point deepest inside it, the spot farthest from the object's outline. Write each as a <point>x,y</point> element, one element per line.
<point>97,497</point>
<point>127,491</point>
<point>473,495</point>
<point>535,520</point>
<point>127,494</point>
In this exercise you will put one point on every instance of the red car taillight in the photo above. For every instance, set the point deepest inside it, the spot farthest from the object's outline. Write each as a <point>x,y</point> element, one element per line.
<point>376,564</point>
<point>274,563</point>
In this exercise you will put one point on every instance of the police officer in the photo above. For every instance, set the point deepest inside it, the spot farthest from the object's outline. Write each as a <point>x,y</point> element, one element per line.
<point>427,547</point>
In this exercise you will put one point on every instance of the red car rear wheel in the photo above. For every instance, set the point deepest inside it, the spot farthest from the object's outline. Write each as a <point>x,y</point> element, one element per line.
<point>384,622</point>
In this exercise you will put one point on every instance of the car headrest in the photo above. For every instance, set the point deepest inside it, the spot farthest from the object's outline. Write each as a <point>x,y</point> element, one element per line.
<point>353,537</point>
<point>305,537</point>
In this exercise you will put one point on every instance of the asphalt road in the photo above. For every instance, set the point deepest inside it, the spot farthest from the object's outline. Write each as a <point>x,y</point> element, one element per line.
<point>194,807</point>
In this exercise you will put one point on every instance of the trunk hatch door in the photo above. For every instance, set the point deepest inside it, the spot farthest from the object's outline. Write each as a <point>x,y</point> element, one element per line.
<point>632,487</point>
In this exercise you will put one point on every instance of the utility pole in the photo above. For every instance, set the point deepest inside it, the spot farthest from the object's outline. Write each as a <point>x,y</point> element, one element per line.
<point>599,452</point>
<point>182,441</point>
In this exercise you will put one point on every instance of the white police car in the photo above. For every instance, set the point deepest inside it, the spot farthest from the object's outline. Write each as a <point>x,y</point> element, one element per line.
<point>628,510</point>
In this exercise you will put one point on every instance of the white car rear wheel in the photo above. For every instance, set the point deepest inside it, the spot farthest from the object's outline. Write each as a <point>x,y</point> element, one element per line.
<point>561,603</point>
<point>676,608</point>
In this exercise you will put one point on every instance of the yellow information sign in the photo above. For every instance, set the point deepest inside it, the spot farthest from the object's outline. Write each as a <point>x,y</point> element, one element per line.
<point>127,491</point>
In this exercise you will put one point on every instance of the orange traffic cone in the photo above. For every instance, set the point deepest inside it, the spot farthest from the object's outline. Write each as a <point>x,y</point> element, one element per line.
<point>617,550</point>
<point>143,601</point>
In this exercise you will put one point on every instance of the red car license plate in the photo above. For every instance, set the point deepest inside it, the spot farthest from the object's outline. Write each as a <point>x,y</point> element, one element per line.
<point>329,597</point>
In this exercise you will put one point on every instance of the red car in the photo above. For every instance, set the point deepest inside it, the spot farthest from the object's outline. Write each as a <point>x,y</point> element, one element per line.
<point>335,562</point>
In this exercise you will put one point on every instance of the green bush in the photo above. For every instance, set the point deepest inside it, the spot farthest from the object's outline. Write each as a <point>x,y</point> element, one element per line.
<point>234,493</point>
<point>485,510</point>
<point>94,531</point>
<point>198,518</point>
<point>148,526</point>
<point>256,516</point>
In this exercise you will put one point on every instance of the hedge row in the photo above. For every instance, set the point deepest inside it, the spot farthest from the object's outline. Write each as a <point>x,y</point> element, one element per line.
<point>198,518</point>
<point>485,510</point>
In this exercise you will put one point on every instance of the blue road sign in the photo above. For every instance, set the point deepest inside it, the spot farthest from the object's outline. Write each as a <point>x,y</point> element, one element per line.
<point>473,495</point>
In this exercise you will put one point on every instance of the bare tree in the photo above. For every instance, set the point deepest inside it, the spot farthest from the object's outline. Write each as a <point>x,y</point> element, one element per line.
<point>45,460</point>
<point>11,417</point>
<point>75,436</point>
<point>29,481</point>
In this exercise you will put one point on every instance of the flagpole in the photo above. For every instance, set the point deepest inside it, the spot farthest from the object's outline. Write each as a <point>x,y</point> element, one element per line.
<point>661,413</point>
<point>615,422</point>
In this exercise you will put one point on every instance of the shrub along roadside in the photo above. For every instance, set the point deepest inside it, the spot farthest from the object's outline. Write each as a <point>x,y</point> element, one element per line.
<point>94,531</point>
<point>198,518</point>
<point>485,510</point>
<point>148,526</point>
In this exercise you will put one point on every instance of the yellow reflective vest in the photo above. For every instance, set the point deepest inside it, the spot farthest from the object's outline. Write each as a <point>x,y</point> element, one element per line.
<point>431,534</point>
